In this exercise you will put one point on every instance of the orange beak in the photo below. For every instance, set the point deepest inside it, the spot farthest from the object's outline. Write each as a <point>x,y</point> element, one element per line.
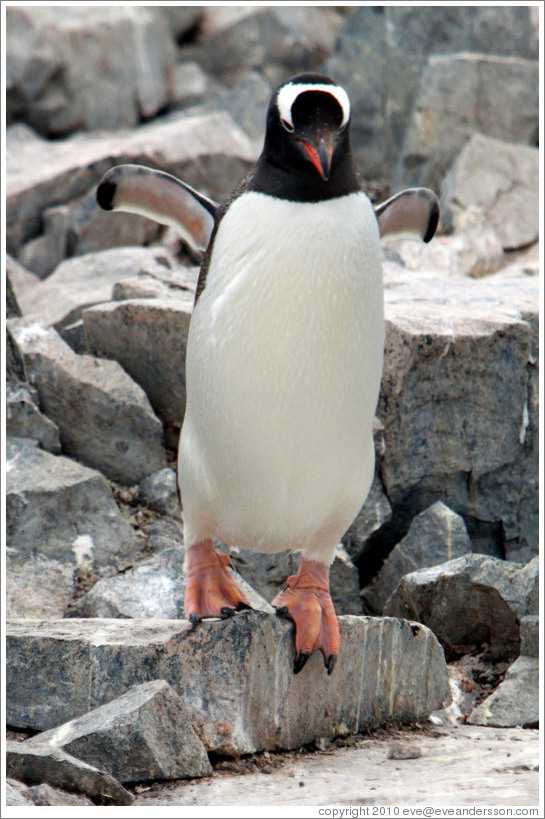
<point>320,156</point>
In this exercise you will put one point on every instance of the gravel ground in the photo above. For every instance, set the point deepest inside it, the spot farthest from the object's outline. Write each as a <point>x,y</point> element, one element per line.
<point>433,766</point>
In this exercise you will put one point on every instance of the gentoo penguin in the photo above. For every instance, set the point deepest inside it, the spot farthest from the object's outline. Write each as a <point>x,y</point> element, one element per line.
<point>284,354</point>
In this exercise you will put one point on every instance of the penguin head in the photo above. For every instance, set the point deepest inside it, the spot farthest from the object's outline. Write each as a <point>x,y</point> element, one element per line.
<point>308,126</point>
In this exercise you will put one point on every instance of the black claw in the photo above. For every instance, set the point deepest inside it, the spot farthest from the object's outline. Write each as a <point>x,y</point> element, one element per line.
<point>194,619</point>
<point>300,662</point>
<point>243,606</point>
<point>330,663</point>
<point>226,612</point>
<point>283,611</point>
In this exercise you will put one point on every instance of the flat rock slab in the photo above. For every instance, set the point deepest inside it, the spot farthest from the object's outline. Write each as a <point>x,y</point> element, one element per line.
<point>54,766</point>
<point>144,734</point>
<point>234,676</point>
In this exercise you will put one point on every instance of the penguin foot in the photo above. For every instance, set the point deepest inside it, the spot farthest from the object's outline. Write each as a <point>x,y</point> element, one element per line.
<point>210,589</point>
<point>307,602</point>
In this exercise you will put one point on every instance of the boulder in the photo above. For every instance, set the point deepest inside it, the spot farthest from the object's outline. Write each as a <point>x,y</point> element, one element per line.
<point>142,735</point>
<point>86,68</point>
<point>496,184</point>
<point>16,793</point>
<point>148,338</point>
<point>24,419</point>
<point>209,152</point>
<point>157,284</point>
<point>436,535</point>
<point>155,588</point>
<point>104,418</point>
<point>38,586</point>
<point>190,85</point>
<point>278,40</point>
<point>380,54</point>
<point>247,102</point>
<point>61,510</point>
<point>37,765</point>
<point>469,601</point>
<point>90,279</point>
<point>182,20</point>
<point>461,95</point>
<point>515,701</point>
<point>80,227</point>
<point>459,399</point>
<point>159,491</point>
<point>234,676</point>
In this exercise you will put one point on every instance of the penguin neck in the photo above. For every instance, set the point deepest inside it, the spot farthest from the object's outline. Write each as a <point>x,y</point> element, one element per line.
<point>273,179</point>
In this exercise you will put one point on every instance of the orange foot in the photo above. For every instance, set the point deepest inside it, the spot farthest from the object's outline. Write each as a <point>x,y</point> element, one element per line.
<point>210,589</point>
<point>307,602</point>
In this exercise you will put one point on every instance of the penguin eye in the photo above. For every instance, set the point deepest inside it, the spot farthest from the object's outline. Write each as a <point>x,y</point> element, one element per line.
<point>287,126</point>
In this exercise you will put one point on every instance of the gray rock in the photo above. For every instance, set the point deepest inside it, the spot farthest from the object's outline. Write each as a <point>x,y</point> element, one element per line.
<point>529,635</point>
<point>436,535</point>
<point>148,338</point>
<point>162,533</point>
<point>247,103</point>
<point>12,305</point>
<point>24,419</point>
<point>38,587</point>
<point>453,344</point>
<point>211,153</point>
<point>515,701</point>
<point>470,600</point>
<point>61,510</point>
<point>380,54</point>
<point>20,281</point>
<point>235,676</point>
<point>81,67</point>
<point>461,95</point>
<point>16,793</point>
<point>153,589</point>
<point>190,85</point>
<point>375,512</point>
<point>38,765</point>
<point>15,368</point>
<point>46,795</point>
<point>90,279</point>
<point>104,418</point>
<point>497,184</point>
<point>80,227</point>
<point>267,575</point>
<point>180,19</point>
<point>278,40</point>
<point>15,371</point>
<point>142,735</point>
<point>160,492</point>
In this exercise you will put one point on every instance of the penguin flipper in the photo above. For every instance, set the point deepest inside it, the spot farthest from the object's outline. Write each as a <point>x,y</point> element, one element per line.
<point>413,213</point>
<point>161,197</point>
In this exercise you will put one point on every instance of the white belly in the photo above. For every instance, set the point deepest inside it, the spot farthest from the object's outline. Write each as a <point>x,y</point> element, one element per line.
<point>284,361</point>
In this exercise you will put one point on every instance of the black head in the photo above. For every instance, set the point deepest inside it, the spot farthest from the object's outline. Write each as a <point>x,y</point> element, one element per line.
<point>307,144</point>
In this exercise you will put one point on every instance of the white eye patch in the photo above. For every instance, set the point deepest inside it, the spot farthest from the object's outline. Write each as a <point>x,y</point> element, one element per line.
<point>289,93</point>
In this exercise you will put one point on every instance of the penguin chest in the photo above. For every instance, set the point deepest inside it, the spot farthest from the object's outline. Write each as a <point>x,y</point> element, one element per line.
<point>283,369</point>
